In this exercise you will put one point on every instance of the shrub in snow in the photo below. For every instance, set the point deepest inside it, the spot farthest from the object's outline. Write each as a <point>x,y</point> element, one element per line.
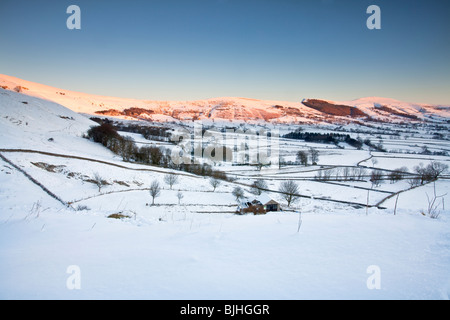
<point>118,216</point>
<point>98,181</point>
<point>238,193</point>
<point>82,208</point>
<point>214,183</point>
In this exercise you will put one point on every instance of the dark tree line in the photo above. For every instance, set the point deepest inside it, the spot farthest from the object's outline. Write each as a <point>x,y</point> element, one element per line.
<point>331,138</point>
<point>107,135</point>
<point>148,132</point>
<point>314,136</point>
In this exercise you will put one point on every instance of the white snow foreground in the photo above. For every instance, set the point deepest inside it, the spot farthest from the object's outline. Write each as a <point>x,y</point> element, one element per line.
<point>218,256</point>
<point>171,251</point>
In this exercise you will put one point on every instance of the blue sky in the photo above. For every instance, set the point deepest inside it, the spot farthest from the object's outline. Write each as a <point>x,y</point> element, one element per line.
<point>266,49</point>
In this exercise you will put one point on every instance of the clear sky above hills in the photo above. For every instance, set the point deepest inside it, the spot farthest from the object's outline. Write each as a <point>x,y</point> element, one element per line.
<point>266,49</point>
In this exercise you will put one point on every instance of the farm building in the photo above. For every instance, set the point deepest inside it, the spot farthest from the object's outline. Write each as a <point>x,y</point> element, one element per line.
<point>268,203</point>
<point>260,205</point>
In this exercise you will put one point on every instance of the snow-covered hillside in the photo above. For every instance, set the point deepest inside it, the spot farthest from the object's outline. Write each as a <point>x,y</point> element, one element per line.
<point>384,109</point>
<point>29,122</point>
<point>108,242</point>
<point>231,108</point>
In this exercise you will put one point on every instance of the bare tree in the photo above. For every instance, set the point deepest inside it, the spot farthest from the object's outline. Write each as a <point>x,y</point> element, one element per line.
<point>414,181</point>
<point>374,161</point>
<point>431,172</point>
<point>356,173</point>
<point>395,176</point>
<point>214,183</point>
<point>337,172</point>
<point>314,155</point>
<point>257,187</point>
<point>302,157</point>
<point>345,173</point>
<point>423,173</point>
<point>376,177</point>
<point>326,176</point>
<point>238,193</point>
<point>360,173</point>
<point>289,190</point>
<point>436,169</point>
<point>155,190</point>
<point>319,175</point>
<point>171,179</point>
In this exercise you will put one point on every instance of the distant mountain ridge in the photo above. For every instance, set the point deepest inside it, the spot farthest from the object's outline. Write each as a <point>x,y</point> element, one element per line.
<point>235,109</point>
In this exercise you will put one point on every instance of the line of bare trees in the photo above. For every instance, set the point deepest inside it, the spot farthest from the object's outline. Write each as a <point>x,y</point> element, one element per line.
<point>342,174</point>
<point>420,174</point>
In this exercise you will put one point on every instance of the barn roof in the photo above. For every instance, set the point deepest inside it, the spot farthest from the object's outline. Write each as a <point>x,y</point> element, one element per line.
<point>264,198</point>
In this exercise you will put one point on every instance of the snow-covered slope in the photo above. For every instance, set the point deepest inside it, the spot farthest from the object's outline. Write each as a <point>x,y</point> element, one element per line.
<point>229,108</point>
<point>32,123</point>
<point>29,120</point>
<point>385,109</point>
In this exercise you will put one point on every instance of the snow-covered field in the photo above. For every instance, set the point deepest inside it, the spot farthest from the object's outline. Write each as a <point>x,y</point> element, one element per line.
<point>189,255</point>
<point>196,247</point>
